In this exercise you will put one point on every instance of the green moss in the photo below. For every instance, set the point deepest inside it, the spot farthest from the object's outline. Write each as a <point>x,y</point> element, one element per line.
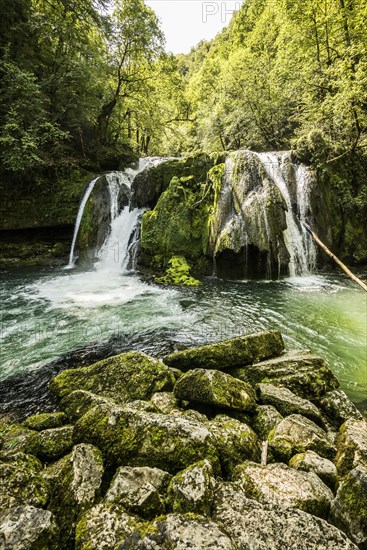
<point>45,421</point>
<point>49,445</point>
<point>15,438</point>
<point>178,273</point>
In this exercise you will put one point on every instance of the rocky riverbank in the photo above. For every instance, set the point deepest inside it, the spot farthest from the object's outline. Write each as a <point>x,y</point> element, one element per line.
<point>235,445</point>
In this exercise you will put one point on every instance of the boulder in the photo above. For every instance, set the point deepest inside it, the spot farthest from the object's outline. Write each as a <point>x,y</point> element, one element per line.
<point>235,352</point>
<point>351,445</point>
<point>265,420</point>
<point>215,388</point>
<point>180,532</point>
<point>255,527</point>
<point>165,402</point>
<point>139,490</point>
<point>21,481</point>
<point>103,526</point>
<point>122,378</point>
<point>15,438</point>
<point>27,528</point>
<point>349,508</point>
<point>131,437</point>
<point>46,421</point>
<point>52,444</point>
<point>78,402</point>
<point>286,402</point>
<point>297,434</point>
<point>312,462</point>
<point>338,407</point>
<point>235,442</point>
<point>279,485</point>
<point>192,489</point>
<point>303,373</point>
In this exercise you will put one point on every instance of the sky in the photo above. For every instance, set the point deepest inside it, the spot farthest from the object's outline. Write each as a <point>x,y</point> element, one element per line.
<point>186,22</point>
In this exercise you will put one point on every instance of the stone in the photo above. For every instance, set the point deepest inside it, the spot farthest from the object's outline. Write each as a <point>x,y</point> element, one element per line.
<point>305,374</point>
<point>215,388</point>
<point>27,528</point>
<point>103,526</point>
<point>45,421</point>
<point>265,420</point>
<point>78,402</point>
<point>255,527</point>
<point>139,490</point>
<point>179,532</point>
<point>349,508</point>
<point>235,352</point>
<point>297,434</point>
<point>192,489</point>
<point>279,485</point>
<point>338,407</point>
<point>122,378</point>
<point>165,402</point>
<point>352,446</point>
<point>130,437</point>
<point>312,462</point>
<point>52,444</point>
<point>15,438</point>
<point>286,402</point>
<point>235,442</point>
<point>21,481</point>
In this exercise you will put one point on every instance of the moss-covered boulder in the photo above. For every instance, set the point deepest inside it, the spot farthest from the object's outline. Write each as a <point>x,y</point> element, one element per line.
<point>352,446</point>
<point>123,378</point>
<point>349,508</point>
<point>297,434</point>
<point>177,273</point>
<point>52,444</point>
<point>305,374</point>
<point>338,408</point>
<point>235,352</point>
<point>165,402</point>
<point>21,481</point>
<point>78,402</point>
<point>265,420</point>
<point>192,489</point>
<point>312,462</point>
<point>131,437</point>
<point>215,388</point>
<point>15,438</point>
<point>279,485</point>
<point>46,421</point>
<point>286,402</point>
<point>28,528</point>
<point>139,490</point>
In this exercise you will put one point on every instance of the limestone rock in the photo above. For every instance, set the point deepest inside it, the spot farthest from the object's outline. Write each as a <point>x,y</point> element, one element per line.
<point>279,485</point>
<point>339,408</point>
<point>27,528</point>
<point>52,444</point>
<point>103,526</point>
<point>286,402</point>
<point>215,388</point>
<point>15,438</point>
<point>45,421</point>
<point>191,490</point>
<point>139,490</point>
<point>78,402</point>
<point>349,509</point>
<point>122,378</point>
<point>303,373</point>
<point>137,438</point>
<point>297,434</point>
<point>312,462</point>
<point>165,402</point>
<point>351,445</point>
<point>265,420</point>
<point>255,527</point>
<point>235,352</point>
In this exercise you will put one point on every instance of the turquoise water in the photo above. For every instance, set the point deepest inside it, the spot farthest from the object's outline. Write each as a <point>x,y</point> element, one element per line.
<point>48,313</point>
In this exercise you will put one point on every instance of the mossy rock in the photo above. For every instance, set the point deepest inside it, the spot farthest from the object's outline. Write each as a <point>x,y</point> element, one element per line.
<point>15,438</point>
<point>192,489</point>
<point>27,527</point>
<point>265,420</point>
<point>45,421</point>
<point>178,273</point>
<point>50,445</point>
<point>352,446</point>
<point>338,408</point>
<point>78,402</point>
<point>312,462</point>
<point>286,402</point>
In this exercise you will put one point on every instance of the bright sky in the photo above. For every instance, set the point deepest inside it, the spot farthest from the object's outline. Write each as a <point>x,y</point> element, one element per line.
<point>186,22</point>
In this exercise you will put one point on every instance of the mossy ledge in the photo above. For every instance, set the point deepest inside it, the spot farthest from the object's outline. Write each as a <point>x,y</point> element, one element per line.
<point>134,459</point>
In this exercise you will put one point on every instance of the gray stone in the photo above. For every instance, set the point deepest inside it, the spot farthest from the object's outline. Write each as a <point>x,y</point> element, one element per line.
<point>312,462</point>
<point>45,421</point>
<point>352,446</point>
<point>215,388</point>
<point>297,434</point>
<point>79,402</point>
<point>338,407</point>
<point>165,402</point>
<point>265,420</point>
<point>191,490</point>
<point>279,485</point>
<point>286,402</point>
<point>15,438</point>
<point>52,444</point>
<point>27,528</point>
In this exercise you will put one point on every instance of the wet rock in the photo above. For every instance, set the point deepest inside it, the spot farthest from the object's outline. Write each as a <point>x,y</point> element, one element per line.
<point>339,408</point>
<point>21,481</point>
<point>297,434</point>
<point>27,528</point>
<point>349,509</point>
<point>103,526</point>
<point>191,490</point>
<point>351,445</point>
<point>305,374</point>
<point>122,378</point>
<point>235,352</point>
<point>15,438</point>
<point>279,485</point>
<point>128,437</point>
<point>265,420</point>
<point>50,445</point>
<point>286,402</point>
<point>165,402</point>
<point>312,462</point>
<point>139,490</point>
<point>45,421</point>
<point>235,441</point>
<point>181,532</point>
<point>255,527</point>
<point>78,402</point>
<point>215,388</point>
